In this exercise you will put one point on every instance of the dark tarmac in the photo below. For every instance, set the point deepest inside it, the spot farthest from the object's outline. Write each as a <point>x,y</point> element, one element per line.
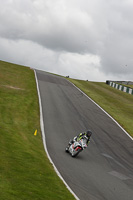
<point>103,171</point>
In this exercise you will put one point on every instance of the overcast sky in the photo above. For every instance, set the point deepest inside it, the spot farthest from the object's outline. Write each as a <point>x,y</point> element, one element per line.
<point>85,39</point>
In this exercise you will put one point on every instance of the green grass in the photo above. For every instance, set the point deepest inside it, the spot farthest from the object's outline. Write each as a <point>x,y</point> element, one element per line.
<point>130,86</point>
<point>117,103</point>
<point>25,171</point>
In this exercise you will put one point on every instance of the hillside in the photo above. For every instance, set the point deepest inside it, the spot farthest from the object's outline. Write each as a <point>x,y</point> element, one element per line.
<point>25,171</point>
<point>117,103</point>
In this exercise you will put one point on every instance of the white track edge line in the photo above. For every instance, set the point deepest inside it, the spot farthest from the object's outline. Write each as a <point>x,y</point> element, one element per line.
<point>103,111</point>
<point>44,141</point>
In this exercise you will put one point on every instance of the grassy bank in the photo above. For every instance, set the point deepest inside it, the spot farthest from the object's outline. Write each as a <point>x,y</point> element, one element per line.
<point>25,172</point>
<point>117,103</point>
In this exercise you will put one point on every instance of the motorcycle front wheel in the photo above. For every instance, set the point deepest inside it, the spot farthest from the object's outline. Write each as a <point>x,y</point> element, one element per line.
<point>76,153</point>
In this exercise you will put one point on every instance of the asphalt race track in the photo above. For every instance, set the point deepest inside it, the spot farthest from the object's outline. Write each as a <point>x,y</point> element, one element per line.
<point>103,171</point>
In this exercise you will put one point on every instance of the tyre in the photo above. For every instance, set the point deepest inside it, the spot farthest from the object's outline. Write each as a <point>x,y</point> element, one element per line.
<point>67,150</point>
<point>76,153</point>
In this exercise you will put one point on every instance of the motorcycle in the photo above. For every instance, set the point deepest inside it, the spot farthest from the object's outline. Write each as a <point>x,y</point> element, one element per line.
<point>75,148</point>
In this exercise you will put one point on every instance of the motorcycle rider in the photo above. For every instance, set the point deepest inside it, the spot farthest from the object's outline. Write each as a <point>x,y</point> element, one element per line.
<point>79,137</point>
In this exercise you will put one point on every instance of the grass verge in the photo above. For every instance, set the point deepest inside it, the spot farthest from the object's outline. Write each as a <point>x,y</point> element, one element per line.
<point>25,171</point>
<point>117,103</point>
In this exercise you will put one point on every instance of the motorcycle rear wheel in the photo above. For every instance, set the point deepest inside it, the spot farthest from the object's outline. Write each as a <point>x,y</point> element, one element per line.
<point>67,150</point>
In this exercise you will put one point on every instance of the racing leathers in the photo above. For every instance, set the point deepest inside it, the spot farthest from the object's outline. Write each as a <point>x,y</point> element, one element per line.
<point>79,137</point>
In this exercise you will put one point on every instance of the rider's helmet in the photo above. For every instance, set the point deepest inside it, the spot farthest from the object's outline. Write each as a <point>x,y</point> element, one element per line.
<point>88,133</point>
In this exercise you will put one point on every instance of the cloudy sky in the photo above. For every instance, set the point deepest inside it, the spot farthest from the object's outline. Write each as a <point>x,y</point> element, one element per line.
<point>85,39</point>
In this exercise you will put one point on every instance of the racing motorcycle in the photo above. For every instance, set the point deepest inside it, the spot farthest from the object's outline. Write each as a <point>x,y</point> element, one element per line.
<point>75,148</point>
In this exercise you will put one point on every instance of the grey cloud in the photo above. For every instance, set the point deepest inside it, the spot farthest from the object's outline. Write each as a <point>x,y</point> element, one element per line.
<point>71,30</point>
<point>68,30</point>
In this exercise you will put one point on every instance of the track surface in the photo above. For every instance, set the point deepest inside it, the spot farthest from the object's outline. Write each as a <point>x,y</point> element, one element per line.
<point>103,171</point>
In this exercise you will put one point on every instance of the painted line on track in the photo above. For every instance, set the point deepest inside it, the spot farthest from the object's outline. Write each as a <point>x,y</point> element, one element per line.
<point>44,141</point>
<point>103,110</point>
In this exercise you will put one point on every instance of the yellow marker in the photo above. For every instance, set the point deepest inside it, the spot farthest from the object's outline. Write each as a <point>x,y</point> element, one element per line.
<point>35,132</point>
